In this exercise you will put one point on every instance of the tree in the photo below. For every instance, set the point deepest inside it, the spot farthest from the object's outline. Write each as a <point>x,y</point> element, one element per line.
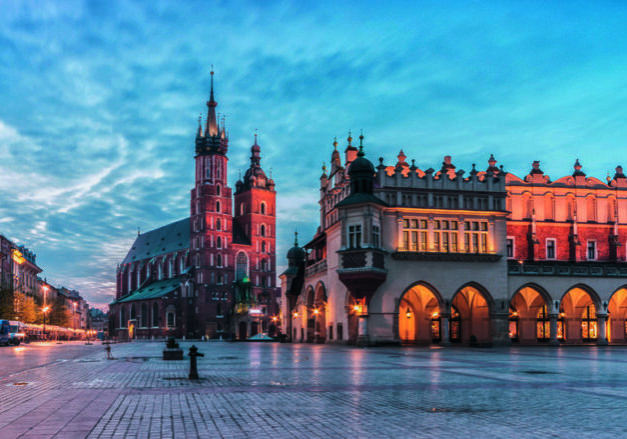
<point>27,310</point>
<point>6,300</point>
<point>59,314</point>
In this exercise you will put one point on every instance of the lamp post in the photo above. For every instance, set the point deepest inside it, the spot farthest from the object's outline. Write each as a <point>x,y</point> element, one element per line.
<point>45,310</point>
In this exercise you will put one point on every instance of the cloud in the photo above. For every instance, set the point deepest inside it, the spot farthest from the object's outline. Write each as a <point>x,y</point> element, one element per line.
<point>100,102</point>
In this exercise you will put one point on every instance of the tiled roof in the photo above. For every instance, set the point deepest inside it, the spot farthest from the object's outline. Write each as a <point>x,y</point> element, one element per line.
<point>153,291</point>
<point>166,239</point>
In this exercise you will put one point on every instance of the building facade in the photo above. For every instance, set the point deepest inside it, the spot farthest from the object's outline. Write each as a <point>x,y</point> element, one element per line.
<point>406,255</point>
<point>212,274</point>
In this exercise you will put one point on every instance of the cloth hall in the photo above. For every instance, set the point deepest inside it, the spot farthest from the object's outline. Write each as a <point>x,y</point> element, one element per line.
<point>213,273</point>
<point>405,254</point>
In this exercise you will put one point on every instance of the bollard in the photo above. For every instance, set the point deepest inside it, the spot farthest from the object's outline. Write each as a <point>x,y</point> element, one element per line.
<point>193,368</point>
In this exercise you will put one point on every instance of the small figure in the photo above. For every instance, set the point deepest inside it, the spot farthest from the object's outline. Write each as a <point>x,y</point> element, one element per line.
<point>108,352</point>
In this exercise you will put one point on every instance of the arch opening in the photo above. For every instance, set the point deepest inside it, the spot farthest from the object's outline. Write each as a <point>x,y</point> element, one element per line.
<point>474,316</point>
<point>419,320</point>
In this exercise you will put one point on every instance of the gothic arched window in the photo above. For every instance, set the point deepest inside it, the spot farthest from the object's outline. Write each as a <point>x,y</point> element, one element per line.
<point>144,316</point>
<point>219,260</point>
<point>218,191</point>
<point>155,314</point>
<point>263,208</point>
<point>241,266</point>
<point>219,242</point>
<point>262,230</point>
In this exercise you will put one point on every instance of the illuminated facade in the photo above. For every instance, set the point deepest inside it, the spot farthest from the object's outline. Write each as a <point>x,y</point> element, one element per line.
<point>566,242</point>
<point>212,274</point>
<point>405,255</point>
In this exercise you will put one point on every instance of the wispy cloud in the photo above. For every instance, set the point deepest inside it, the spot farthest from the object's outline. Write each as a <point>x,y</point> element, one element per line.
<point>100,101</point>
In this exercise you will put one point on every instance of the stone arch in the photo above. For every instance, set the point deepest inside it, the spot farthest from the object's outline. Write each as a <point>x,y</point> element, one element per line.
<point>474,303</point>
<point>578,308</point>
<point>617,316</point>
<point>530,306</point>
<point>320,313</point>
<point>418,314</point>
<point>309,313</point>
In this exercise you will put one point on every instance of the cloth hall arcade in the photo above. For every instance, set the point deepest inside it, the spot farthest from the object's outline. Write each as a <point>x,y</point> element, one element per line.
<point>423,256</point>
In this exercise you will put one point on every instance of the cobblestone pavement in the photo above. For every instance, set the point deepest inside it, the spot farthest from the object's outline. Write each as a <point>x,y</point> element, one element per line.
<point>318,391</point>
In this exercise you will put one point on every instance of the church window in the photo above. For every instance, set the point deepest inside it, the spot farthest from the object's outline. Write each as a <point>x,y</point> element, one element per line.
<point>219,278</point>
<point>139,280</point>
<point>144,316</point>
<point>219,242</point>
<point>218,205</point>
<point>354,236</point>
<point>181,264</point>
<point>130,280</point>
<point>264,265</point>
<point>241,266</point>
<point>219,260</point>
<point>171,267</point>
<point>160,270</point>
<point>218,169</point>
<point>242,209</point>
<point>133,312</point>
<point>263,247</point>
<point>263,208</point>
<point>171,320</point>
<point>262,230</point>
<point>218,224</point>
<point>155,315</point>
<point>122,317</point>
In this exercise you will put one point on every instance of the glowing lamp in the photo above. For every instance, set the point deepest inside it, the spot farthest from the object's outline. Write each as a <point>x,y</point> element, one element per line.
<point>295,314</point>
<point>316,311</point>
<point>17,257</point>
<point>408,313</point>
<point>356,308</point>
<point>435,314</point>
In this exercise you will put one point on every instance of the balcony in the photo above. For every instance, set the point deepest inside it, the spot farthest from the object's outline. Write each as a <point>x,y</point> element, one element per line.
<point>566,268</point>
<point>318,267</point>
<point>362,271</point>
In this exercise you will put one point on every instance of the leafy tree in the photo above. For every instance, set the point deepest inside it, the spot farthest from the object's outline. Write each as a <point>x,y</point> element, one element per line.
<point>59,314</point>
<point>27,310</point>
<point>6,300</point>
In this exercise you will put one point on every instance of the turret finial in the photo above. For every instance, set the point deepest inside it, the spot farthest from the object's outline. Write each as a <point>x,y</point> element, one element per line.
<point>350,138</point>
<point>295,239</point>
<point>335,143</point>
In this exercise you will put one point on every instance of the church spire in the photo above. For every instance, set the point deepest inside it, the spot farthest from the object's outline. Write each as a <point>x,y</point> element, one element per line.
<point>212,123</point>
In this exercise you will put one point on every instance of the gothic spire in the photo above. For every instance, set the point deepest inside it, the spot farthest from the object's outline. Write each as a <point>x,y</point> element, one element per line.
<point>212,124</point>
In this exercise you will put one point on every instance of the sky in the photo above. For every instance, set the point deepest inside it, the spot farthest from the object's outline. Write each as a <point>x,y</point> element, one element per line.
<point>99,102</point>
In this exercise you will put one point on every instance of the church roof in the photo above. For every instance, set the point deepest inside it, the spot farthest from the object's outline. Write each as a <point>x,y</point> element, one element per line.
<point>153,291</point>
<point>167,239</point>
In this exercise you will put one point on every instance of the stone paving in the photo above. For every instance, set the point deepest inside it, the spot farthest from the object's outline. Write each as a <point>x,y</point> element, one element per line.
<point>320,391</point>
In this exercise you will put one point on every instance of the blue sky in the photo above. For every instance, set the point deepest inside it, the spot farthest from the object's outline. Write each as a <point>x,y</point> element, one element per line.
<point>100,100</point>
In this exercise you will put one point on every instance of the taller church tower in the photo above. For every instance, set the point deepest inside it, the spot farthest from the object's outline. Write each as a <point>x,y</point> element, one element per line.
<point>211,219</point>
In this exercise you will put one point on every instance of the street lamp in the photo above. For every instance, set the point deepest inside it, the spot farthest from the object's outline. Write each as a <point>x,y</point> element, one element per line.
<point>45,310</point>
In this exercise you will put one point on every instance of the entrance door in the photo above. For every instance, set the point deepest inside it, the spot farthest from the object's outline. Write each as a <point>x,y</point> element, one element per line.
<point>243,331</point>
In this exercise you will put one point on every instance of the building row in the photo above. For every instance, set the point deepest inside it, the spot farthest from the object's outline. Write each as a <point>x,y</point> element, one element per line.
<point>424,256</point>
<point>19,277</point>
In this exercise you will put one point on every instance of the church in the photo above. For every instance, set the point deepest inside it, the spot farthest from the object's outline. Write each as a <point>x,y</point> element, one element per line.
<point>413,255</point>
<point>211,274</point>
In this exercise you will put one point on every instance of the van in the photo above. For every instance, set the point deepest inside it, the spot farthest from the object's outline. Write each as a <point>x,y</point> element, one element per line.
<point>5,332</point>
<point>17,332</point>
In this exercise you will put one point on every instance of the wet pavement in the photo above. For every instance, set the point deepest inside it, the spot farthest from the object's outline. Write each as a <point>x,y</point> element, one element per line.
<point>302,390</point>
